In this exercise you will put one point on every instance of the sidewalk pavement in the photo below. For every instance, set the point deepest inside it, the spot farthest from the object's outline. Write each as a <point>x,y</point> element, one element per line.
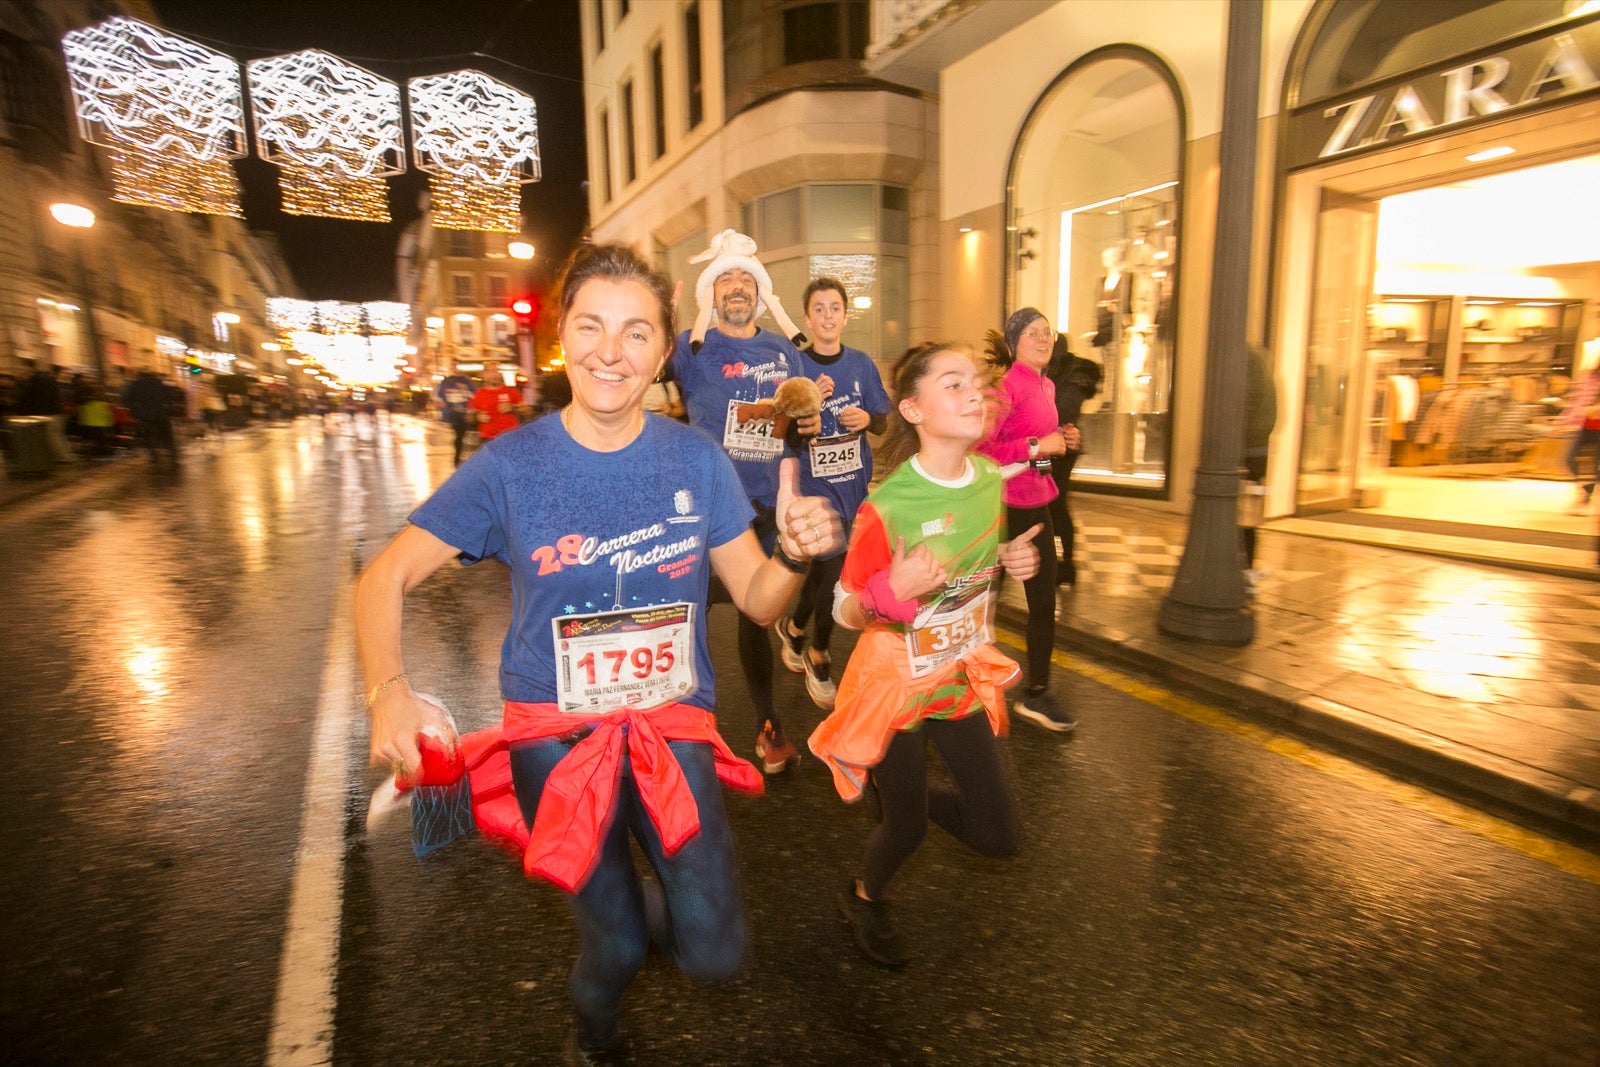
<point>1482,679</point>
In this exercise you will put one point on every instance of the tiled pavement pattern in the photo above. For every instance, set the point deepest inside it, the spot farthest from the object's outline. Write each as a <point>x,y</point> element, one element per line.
<point>1484,678</point>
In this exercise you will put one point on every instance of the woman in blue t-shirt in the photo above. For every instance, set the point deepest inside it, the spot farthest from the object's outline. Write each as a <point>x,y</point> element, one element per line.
<point>611,522</point>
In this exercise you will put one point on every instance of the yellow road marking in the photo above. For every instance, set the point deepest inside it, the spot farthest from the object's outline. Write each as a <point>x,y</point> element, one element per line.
<point>1562,856</point>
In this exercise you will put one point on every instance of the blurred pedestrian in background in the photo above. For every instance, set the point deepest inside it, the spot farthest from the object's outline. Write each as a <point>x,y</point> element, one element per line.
<point>455,401</point>
<point>498,406</point>
<point>1260,416</point>
<point>1076,381</point>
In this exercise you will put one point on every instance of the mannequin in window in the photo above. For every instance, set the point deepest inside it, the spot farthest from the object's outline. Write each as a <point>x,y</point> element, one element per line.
<point>1113,296</point>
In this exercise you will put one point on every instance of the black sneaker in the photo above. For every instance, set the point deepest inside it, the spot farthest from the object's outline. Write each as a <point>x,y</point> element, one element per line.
<point>1041,709</point>
<point>791,646</point>
<point>612,1055</point>
<point>869,923</point>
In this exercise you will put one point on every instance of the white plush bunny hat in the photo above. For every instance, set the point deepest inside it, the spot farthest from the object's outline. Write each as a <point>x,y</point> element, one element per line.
<point>732,250</point>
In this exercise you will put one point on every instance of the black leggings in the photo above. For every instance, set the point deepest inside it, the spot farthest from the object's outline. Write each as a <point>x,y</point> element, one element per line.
<point>979,810</point>
<point>1040,591</point>
<point>1061,507</point>
<point>1255,470</point>
<point>816,600</point>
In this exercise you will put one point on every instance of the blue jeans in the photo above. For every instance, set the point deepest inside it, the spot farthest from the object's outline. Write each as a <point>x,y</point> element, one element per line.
<point>705,914</point>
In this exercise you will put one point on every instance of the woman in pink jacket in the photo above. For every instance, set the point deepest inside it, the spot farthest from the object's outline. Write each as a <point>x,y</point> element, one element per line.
<point>1025,433</point>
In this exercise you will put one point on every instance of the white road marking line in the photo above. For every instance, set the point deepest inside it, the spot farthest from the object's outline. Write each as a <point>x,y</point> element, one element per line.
<point>302,1018</point>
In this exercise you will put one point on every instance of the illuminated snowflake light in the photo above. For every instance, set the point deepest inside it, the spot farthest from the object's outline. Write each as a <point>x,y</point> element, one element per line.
<point>333,129</point>
<point>170,111</point>
<point>479,139</point>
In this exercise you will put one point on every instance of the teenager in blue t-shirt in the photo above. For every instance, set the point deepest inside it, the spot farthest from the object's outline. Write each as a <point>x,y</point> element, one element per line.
<point>837,464</point>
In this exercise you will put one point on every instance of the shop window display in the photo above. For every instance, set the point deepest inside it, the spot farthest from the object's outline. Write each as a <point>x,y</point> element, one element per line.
<point>1094,243</point>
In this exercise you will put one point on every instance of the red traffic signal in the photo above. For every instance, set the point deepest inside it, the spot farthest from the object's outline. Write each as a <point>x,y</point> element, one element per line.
<point>526,308</point>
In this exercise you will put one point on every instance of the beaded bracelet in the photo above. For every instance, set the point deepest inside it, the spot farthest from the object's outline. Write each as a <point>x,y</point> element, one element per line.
<point>378,690</point>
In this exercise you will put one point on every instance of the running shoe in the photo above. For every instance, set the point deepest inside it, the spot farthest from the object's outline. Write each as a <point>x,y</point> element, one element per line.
<point>790,646</point>
<point>612,1055</point>
<point>774,751</point>
<point>869,923</point>
<point>1041,709</point>
<point>818,682</point>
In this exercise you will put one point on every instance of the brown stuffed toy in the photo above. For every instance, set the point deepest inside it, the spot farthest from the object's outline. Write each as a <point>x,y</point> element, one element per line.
<point>796,399</point>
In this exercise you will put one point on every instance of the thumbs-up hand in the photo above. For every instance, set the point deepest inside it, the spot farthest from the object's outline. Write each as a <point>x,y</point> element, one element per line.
<point>911,574</point>
<point>1019,556</point>
<point>807,525</point>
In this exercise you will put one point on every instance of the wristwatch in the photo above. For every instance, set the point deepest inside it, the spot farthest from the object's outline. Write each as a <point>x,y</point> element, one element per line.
<point>1033,448</point>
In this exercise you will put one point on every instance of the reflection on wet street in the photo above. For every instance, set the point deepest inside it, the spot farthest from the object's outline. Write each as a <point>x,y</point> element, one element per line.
<point>1183,895</point>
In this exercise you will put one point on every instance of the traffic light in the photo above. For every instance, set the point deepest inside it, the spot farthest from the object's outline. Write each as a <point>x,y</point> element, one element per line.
<point>526,309</point>
<point>191,364</point>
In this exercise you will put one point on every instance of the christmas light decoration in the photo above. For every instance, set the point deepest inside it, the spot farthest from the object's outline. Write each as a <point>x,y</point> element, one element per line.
<point>332,128</point>
<point>478,139</point>
<point>358,344</point>
<point>170,113</point>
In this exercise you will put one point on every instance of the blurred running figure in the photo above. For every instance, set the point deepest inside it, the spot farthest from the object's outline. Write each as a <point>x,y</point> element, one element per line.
<point>836,464</point>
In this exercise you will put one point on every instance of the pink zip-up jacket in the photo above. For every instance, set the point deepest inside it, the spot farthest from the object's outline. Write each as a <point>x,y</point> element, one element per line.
<point>1026,407</point>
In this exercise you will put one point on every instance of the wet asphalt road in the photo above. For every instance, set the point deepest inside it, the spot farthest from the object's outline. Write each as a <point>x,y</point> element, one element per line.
<point>1183,895</point>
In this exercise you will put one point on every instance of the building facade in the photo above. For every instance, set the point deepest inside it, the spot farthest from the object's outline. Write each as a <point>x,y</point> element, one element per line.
<point>140,288</point>
<point>703,116</point>
<point>1425,250</point>
<point>1425,263</point>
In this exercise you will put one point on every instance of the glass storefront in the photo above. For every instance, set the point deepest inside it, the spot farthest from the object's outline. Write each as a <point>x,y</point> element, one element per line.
<point>1438,272</point>
<point>1093,242</point>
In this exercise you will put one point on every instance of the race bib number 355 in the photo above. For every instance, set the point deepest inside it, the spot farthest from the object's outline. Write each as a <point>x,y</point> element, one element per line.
<point>954,628</point>
<point>638,658</point>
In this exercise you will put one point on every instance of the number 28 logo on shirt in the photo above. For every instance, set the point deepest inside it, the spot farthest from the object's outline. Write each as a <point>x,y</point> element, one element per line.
<point>564,553</point>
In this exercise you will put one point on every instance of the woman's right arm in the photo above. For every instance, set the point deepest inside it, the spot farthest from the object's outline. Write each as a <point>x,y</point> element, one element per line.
<point>398,715</point>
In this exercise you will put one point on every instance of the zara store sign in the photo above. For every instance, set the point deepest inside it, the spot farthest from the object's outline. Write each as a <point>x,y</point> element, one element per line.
<point>1536,72</point>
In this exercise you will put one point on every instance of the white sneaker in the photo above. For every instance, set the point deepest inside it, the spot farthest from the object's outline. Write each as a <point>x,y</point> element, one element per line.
<point>790,647</point>
<point>819,683</point>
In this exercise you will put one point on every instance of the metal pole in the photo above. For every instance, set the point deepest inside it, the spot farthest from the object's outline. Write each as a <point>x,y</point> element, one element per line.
<point>90,329</point>
<point>1207,601</point>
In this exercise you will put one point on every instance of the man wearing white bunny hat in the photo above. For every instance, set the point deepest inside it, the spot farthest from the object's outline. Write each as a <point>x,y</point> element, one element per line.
<point>728,368</point>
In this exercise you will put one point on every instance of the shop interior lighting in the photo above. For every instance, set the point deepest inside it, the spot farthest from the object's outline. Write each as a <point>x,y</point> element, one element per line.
<point>169,112</point>
<point>1497,152</point>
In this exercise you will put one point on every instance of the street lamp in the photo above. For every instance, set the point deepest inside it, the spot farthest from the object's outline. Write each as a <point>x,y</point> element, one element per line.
<point>77,217</point>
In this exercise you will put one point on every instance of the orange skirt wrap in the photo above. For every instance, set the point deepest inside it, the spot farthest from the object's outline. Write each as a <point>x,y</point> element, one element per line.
<point>877,698</point>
